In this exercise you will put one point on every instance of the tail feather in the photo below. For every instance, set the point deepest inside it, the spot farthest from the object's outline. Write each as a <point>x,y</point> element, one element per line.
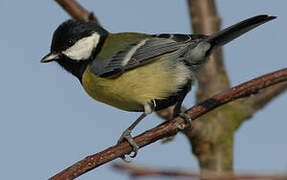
<point>226,35</point>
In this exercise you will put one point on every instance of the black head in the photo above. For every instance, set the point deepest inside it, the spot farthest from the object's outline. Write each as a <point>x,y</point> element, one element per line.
<point>75,43</point>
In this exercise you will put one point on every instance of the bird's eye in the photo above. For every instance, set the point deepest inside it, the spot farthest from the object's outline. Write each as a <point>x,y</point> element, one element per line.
<point>70,43</point>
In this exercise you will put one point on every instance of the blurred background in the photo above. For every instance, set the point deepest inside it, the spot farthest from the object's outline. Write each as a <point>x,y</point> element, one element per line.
<point>48,122</point>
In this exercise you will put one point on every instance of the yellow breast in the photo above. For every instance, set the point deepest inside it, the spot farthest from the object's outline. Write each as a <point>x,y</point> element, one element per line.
<point>137,87</point>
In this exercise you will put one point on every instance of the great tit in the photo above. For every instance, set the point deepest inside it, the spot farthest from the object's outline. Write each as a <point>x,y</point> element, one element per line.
<point>135,71</point>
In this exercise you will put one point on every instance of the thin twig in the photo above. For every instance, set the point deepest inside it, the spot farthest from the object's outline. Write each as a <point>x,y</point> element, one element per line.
<point>77,11</point>
<point>174,126</point>
<point>137,171</point>
<point>263,98</point>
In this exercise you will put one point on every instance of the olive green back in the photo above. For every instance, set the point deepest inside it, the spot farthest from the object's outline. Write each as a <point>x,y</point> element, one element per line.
<point>117,42</point>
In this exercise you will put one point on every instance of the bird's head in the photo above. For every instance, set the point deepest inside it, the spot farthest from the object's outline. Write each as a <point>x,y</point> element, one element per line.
<point>75,43</point>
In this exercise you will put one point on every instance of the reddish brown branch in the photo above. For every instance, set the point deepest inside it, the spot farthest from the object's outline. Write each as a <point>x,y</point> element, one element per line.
<point>172,127</point>
<point>136,171</point>
<point>77,11</point>
<point>263,98</point>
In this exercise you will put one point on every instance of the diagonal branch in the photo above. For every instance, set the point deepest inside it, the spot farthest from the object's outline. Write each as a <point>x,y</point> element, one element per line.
<point>173,127</point>
<point>77,11</point>
<point>258,101</point>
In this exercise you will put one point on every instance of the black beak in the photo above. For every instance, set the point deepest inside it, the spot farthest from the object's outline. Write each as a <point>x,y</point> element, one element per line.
<point>49,57</point>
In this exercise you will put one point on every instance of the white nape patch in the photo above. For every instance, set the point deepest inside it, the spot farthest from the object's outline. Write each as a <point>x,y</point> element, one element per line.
<point>131,52</point>
<point>83,48</point>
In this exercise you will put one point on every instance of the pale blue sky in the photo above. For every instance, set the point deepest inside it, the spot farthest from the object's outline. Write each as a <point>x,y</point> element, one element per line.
<point>48,122</point>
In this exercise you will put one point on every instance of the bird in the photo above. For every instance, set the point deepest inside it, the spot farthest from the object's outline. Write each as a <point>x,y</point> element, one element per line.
<point>136,71</point>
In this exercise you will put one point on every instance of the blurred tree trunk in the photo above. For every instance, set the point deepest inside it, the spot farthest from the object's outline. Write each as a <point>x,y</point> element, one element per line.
<point>212,136</point>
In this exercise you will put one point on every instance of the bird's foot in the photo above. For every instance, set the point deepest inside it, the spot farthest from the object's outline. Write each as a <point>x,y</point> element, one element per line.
<point>187,119</point>
<point>127,136</point>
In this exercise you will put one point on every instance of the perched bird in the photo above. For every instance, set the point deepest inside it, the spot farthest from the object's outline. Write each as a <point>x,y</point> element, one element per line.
<point>135,71</point>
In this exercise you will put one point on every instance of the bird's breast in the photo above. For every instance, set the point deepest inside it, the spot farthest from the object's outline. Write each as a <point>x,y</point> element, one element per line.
<point>134,88</point>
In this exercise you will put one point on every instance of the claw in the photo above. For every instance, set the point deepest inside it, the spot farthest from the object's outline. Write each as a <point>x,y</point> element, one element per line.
<point>187,119</point>
<point>127,136</point>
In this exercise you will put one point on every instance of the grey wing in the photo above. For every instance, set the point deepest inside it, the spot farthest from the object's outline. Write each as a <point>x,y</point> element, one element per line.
<point>135,55</point>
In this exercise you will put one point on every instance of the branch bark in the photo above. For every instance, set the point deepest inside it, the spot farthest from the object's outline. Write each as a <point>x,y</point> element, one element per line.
<point>173,127</point>
<point>258,101</point>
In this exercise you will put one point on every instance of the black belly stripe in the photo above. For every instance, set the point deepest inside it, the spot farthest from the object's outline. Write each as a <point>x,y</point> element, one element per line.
<point>173,98</point>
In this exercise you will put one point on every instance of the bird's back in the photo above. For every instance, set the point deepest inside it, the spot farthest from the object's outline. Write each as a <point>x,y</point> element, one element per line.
<point>130,91</point>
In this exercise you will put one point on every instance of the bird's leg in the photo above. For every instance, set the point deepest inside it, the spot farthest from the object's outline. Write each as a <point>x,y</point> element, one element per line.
<point>178,112</point>
<point>127,133</point>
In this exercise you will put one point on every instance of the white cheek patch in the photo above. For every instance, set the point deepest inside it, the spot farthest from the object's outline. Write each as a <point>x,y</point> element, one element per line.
<point>83,48</point>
